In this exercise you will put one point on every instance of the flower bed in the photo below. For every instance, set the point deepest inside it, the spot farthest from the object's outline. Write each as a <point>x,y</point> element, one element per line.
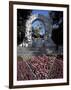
<point>40,67</point>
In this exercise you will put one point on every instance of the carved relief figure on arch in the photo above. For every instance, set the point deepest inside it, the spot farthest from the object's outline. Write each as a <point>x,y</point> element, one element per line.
<point>39,42</point>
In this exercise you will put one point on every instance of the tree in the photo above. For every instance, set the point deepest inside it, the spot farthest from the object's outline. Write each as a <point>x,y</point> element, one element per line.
<point>36,33</point>
<point>57,33</point>
<point>22,16</point>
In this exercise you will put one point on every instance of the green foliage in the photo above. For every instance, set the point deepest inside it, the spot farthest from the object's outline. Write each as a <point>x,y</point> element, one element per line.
<point>37,33</point>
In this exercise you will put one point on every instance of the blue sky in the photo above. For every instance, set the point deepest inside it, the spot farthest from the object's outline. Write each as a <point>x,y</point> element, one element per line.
<point>39,23</point>
<point>42,12</point>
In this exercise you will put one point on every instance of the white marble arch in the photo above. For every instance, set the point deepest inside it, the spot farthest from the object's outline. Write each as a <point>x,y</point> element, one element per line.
<point>48,26</point>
